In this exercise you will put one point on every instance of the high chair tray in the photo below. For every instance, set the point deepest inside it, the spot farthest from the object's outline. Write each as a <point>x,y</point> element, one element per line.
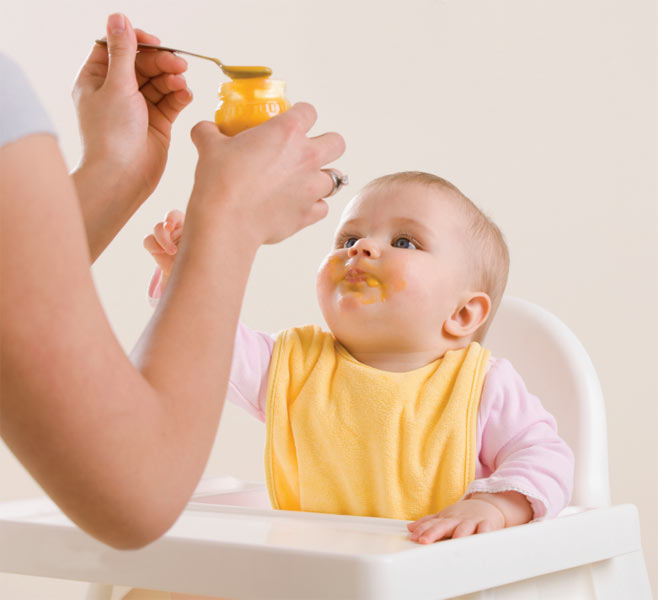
<point>254,552</point>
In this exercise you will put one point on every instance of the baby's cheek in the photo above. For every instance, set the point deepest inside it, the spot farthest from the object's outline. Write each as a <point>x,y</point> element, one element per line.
<point>413,287</point>
<point>395,285</point>
<point>330,272</point>
<point>395,279</point>
<point>325,280</point>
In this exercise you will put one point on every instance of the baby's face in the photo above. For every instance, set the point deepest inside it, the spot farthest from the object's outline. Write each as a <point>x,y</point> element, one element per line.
<point>397,270</point>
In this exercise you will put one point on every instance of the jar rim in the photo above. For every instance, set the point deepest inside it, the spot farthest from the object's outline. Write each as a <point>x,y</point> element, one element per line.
<point>244,82</point>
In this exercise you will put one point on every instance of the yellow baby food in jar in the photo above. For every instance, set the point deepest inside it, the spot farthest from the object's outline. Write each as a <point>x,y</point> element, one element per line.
<point>248,102</point>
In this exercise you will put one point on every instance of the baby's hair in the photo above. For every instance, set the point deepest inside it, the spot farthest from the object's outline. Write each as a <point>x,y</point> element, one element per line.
<point>489,256</point>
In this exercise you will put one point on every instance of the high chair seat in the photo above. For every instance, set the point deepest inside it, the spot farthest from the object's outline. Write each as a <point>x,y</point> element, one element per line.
<point>229,543</point>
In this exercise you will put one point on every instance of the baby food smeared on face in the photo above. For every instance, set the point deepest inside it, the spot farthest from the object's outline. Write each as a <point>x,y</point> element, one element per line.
<point>361,282</point>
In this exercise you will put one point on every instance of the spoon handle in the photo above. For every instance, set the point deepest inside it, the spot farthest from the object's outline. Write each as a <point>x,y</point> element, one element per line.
<point>154,47</point>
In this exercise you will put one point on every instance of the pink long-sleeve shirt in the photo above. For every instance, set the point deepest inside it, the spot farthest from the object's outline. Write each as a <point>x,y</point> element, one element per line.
<point>518,447</point>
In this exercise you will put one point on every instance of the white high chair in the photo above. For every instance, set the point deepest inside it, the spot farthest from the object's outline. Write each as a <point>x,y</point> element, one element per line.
<point>228,542</point>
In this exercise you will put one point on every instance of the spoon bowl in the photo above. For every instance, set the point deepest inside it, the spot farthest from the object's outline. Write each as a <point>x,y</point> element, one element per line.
<point>233,72</point>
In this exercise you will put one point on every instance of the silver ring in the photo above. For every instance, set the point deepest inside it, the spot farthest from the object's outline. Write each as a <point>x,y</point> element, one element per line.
<point>337,179</point>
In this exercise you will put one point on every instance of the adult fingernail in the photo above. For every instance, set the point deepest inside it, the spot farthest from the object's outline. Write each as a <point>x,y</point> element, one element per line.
<point>116,23</point>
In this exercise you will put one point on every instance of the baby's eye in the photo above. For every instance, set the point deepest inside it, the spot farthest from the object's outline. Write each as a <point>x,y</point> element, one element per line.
<point>404,242</point>
<point>349,242</point>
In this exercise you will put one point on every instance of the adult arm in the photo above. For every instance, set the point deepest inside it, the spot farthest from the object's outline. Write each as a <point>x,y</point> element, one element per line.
<point>250,366</point>
<point>119,447</point>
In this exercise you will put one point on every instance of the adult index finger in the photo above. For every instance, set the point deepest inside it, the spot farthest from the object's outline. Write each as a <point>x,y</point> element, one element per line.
<point>301,114</point>
<point>328,147</point>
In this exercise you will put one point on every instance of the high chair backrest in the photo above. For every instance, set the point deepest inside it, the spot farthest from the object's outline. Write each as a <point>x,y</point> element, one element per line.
<point>557,369</point>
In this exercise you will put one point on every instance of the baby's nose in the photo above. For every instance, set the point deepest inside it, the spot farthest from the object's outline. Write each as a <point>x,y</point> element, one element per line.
<point>365,247</point>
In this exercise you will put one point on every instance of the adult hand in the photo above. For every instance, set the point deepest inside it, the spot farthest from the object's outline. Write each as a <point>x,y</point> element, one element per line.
<point>126,104</point>
<point>267,179</point>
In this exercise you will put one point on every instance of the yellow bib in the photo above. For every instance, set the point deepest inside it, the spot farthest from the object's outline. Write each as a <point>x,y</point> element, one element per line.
<point>346,438</point>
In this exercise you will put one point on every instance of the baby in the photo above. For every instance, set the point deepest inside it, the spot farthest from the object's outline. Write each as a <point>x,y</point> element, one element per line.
<point>398,411</point>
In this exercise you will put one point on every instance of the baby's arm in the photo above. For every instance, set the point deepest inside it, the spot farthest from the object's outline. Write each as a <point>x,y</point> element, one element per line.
<point>522,462</point>
<point>519,446</point>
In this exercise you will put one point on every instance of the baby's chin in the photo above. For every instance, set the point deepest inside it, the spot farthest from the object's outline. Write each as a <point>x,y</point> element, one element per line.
<point>350,315</point>
<point>362,340</point>
<point>354,304</point>
<point>361,312</point>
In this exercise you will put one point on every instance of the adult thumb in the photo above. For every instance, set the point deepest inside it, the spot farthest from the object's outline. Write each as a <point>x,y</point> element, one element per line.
<point>122,49</point>
<point>203,133</point>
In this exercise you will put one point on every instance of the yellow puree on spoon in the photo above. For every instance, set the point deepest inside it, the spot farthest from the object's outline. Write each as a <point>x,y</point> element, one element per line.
<point>246,72</point>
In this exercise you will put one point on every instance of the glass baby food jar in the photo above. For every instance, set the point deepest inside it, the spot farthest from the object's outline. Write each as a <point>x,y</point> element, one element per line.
<point>248,102</point>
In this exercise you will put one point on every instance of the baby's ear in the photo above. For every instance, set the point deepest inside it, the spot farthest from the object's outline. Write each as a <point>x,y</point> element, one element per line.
<point>468,316</point>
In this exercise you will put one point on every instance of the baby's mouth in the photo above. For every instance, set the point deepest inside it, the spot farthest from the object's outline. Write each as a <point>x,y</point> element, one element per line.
<point>354,275</point>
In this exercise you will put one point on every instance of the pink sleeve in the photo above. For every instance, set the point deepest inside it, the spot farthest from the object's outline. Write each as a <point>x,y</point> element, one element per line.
<point>518,445</point>
<point>247,387</point>
<point>155,287</point>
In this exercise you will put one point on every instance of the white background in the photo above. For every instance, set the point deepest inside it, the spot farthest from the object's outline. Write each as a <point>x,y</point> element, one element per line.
<point>544,113</point>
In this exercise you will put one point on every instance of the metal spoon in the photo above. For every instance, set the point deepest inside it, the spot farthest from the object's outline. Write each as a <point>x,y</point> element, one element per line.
<point>232,72</point>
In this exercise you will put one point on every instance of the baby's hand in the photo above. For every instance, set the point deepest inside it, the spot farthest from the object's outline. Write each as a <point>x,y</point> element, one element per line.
<point>163,245</point>
<point>463,518</point>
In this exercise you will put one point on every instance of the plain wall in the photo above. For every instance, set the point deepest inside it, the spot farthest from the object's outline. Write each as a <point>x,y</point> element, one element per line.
<point>544,113</point>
